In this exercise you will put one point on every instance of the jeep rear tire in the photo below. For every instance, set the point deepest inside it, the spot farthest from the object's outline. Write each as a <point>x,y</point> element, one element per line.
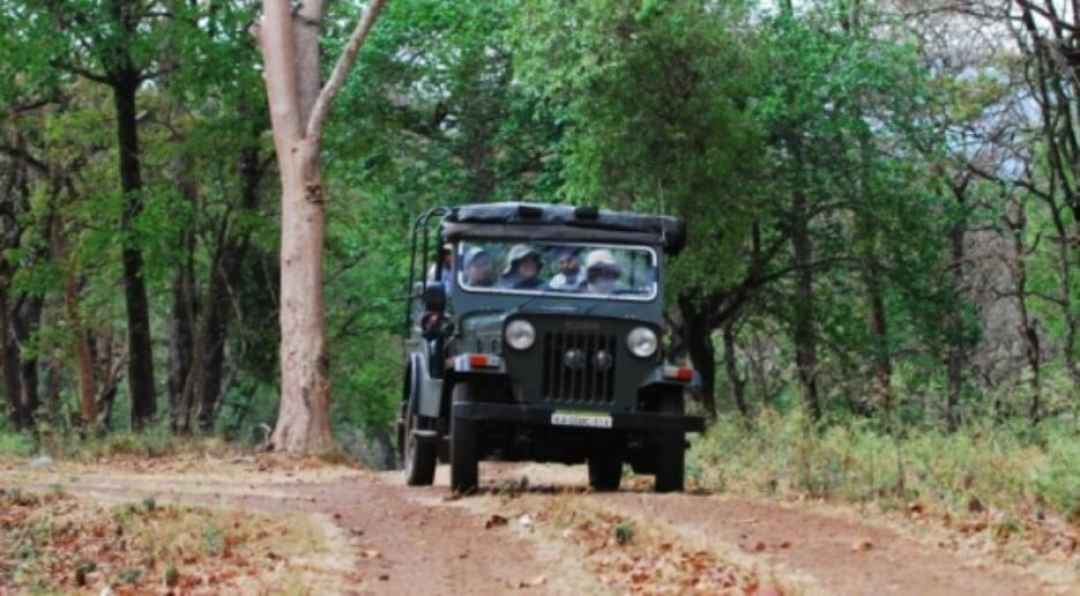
<point>671,452</point>
<point>419,455</point>
<point>605,471</point>
<point>464,459</point>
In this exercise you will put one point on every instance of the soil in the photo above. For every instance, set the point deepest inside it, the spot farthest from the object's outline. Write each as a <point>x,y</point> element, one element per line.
<point>528,536</point>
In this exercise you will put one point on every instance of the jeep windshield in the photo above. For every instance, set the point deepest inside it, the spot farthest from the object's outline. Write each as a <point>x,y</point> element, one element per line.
<point>564,269</point>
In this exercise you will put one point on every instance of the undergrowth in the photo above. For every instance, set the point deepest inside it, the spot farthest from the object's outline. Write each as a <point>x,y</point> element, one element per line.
<point>1007,466</point>
<point>155,441</point>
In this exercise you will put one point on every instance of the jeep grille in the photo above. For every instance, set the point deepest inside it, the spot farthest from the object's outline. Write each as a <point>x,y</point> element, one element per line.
<point>583,383</point>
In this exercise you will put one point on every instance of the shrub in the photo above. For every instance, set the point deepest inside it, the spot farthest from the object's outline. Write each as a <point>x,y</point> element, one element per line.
<point>14,444</point>
<point>1003,465</point>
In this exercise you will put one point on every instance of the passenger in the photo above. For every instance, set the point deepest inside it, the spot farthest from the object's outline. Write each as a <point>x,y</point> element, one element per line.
<point>445,272</point>
<point>601,272</point>
<point>479,268</point>
<point>571,276</point>
<point>522,269</point>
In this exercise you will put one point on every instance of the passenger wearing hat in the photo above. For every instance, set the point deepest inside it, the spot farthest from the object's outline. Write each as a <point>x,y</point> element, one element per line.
<point>601,272</point>
<point>479,268</point>
<point>571,275</point>
<point>522,269</point>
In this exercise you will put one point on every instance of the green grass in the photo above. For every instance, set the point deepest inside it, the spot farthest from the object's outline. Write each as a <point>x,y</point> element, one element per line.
<point>156,441</point>
<point>14,444</point>
<point>1003,466</point>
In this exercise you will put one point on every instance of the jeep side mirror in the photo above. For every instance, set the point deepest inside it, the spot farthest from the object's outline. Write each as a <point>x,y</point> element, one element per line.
<point>434,297</point>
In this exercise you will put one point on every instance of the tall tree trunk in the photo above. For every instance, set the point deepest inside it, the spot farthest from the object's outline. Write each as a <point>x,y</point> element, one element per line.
<point>697,335</point>
<point>181,340</point>
<point>10,354</point>
<point>87,386</point>
<point>219,301</point>
<point>805,332</point>
<point>298,109</point>
<point>304,418</point>
<point>184,310</point>
<point>140,348</point>
<point>83,352</point>
<point>957,351</point>
<point>27,320</point>
<point>1028,326</point>
<point>879,331</point>
<point>736,381</point>
<point>291,51</point>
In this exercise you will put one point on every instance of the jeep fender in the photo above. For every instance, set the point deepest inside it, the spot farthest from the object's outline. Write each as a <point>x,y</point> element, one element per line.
<point>426,391</point>
<point>657,379</point>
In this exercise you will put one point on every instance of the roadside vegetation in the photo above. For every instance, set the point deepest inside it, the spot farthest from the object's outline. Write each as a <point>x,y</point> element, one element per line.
<point>1008,467</point>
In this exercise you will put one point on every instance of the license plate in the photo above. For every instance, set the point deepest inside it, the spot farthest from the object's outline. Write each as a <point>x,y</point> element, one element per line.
<point>581,419</point>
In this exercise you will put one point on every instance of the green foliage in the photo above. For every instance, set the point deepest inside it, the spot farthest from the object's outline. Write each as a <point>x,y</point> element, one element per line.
<point>1057,478</point>
<point>653,101</point>
<point>13,444</point>
<point>1006,466</point>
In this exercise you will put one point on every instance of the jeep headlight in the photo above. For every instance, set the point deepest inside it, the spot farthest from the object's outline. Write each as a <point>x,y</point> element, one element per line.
<point>520,335</point>
<point>642,342</point>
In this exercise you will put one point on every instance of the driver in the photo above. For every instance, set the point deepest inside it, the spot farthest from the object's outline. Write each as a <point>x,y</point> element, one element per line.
<point>479,268</point>
<point>522,269</point>
<point>601,272</point>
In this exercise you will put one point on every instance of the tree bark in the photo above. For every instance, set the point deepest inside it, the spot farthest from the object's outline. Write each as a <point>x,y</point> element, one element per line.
<point>26,321</point>
<point>957,350</point>
<point>10,354</point>
<point>185,310</point>
<point>805,333</point>
<point>879,331</point>
<point>298,109</point>
<point>83,353</point>
<point>703,357</point>
<point>737,381</point>
<point>181,342</point>
<point>125,84</point>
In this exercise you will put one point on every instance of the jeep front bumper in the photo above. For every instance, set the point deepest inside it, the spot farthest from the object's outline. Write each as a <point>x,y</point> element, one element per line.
<point>542,415</point>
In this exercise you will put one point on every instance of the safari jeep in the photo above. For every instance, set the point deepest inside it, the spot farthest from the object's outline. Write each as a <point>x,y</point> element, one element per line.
<point>533,334</point>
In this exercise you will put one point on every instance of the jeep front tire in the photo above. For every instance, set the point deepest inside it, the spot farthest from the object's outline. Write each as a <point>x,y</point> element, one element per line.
<point>671,450</point>
<point>464,459</point>
<point>605,471</point>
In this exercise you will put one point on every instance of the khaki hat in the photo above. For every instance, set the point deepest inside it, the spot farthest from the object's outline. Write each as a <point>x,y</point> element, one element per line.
<point>520,252</point>
<point>602,259</point>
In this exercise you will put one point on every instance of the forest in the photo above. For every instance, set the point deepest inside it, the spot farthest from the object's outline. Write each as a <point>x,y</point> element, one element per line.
<point>883,201</point>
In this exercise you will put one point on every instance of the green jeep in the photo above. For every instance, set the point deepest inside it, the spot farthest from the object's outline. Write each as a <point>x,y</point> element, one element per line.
<point>533,334</point>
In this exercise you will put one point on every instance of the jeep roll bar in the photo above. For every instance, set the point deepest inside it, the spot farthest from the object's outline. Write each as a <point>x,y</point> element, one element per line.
<point>420,225</point>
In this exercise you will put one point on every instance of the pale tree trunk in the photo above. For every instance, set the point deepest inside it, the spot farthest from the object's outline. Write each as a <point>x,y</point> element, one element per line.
<point>298,109</point>
<point>72,286</point>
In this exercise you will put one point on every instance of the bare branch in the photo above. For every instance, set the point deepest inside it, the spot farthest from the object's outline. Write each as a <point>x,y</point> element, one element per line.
<point>93,76</point>
<point>25,157</point>
<point>341,69</point>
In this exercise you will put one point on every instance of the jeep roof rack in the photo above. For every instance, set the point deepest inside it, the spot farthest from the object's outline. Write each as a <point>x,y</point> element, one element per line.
<point>564,222</point>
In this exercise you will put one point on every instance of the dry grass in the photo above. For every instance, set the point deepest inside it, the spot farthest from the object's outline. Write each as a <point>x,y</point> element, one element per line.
<point>57,543</point>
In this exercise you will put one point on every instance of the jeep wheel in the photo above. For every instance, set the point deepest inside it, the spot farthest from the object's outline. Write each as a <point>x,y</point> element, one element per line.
<point>671,452</point>
<point>605,471</point>
<point>419,455</point>
<point>464,461</point>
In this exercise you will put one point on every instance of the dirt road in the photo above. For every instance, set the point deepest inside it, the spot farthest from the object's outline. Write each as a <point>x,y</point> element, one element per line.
<point>535,529</point>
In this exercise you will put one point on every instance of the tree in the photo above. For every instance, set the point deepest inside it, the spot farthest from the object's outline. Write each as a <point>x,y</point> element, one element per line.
<point>298,107</point>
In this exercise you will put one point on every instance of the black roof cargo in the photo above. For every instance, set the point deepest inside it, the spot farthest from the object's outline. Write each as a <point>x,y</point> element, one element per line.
<point>564,222</point>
